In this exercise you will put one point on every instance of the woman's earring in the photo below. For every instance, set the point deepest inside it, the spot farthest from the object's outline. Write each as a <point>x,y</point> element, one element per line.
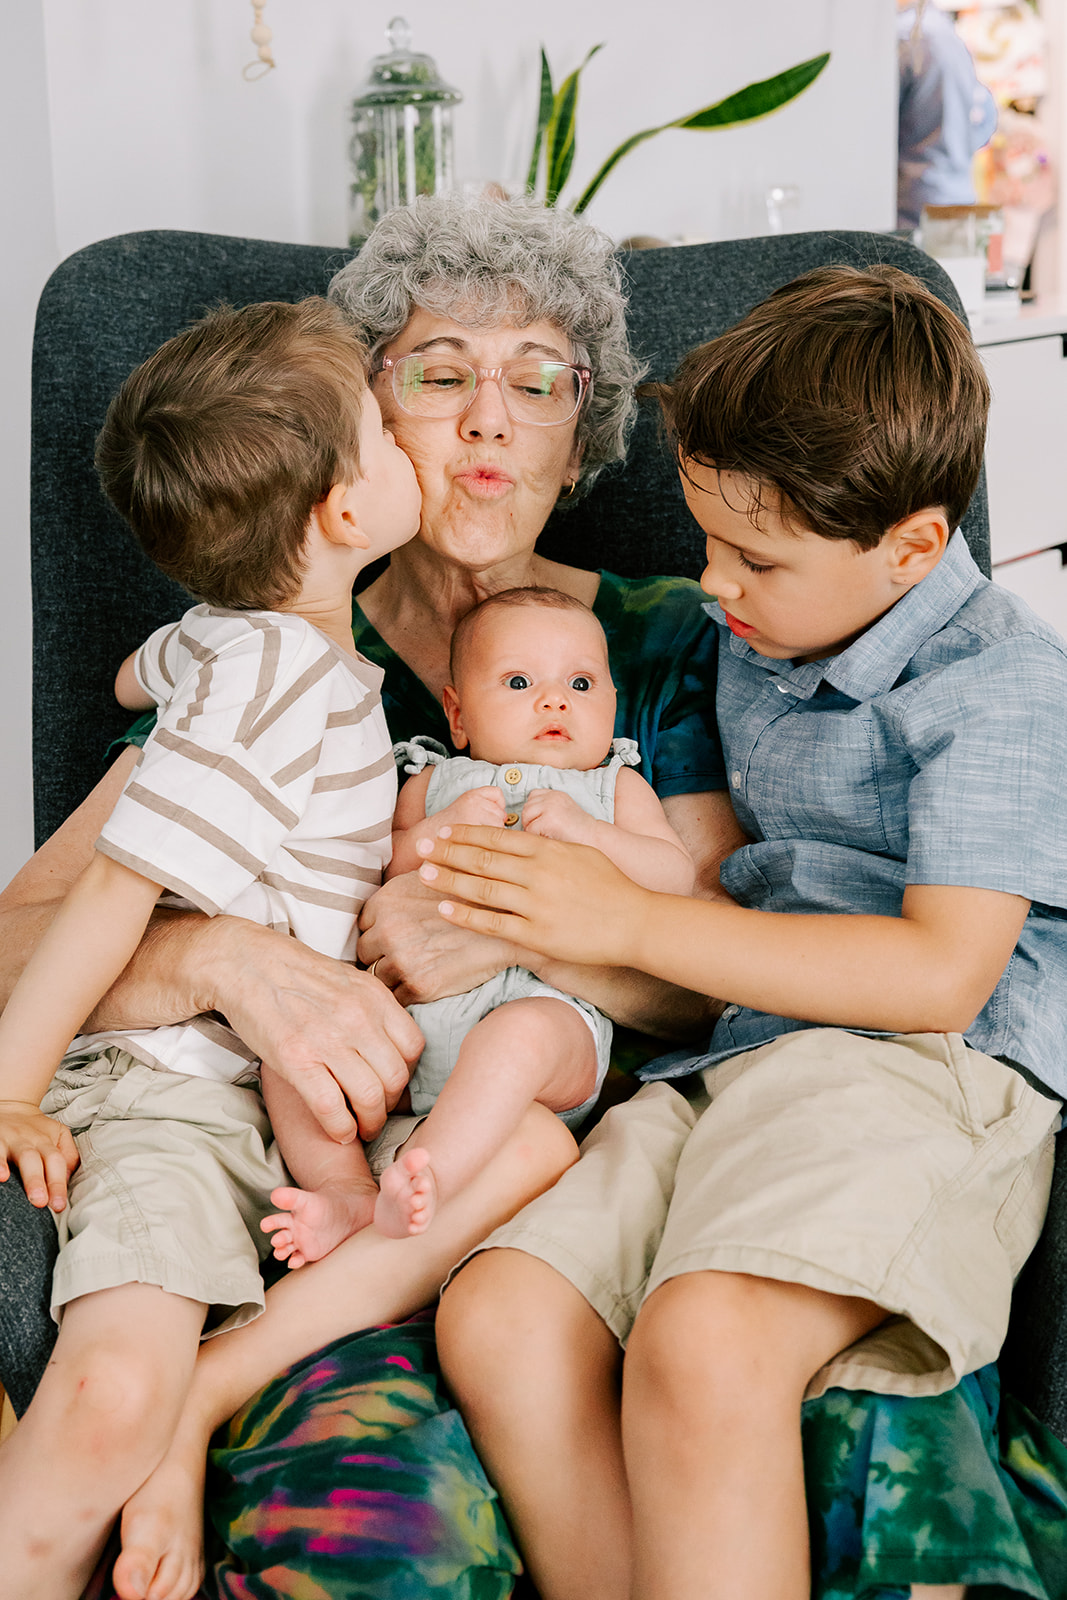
<point>570,490</point>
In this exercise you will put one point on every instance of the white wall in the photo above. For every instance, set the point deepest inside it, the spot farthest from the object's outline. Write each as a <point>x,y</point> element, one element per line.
<point>29,255</point>
<point>153,125</point>
<point>150,124</point>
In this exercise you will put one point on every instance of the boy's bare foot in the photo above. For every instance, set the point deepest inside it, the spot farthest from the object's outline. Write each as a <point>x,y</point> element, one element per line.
<point>407,1198</point>
<point>162,1528</point>
<point>311,1223</point>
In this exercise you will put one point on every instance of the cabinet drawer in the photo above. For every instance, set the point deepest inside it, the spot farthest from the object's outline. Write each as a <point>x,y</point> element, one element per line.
<point>1026,446</point>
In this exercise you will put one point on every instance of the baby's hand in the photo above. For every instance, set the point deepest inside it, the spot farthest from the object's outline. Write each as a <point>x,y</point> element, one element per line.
<point>556,816</point>
<point>479,807</point>
<point>43,1151</point>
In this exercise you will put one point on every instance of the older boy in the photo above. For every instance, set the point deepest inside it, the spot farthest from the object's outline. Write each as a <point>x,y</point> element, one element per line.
<point>847,1184</point>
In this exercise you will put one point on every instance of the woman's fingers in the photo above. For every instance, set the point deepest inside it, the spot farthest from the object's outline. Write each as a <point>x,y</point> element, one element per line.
<point>564,900</point>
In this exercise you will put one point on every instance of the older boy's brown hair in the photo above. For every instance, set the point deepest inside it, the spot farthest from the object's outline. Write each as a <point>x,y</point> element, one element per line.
<point>216,449</point>
<point>848,400</point>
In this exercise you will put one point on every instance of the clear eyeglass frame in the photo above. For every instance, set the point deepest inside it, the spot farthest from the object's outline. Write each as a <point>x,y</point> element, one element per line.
<point>464,380</point>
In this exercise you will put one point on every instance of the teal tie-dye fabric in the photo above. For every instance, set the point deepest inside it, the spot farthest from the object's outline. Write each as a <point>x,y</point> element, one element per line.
<point>350,1477</point>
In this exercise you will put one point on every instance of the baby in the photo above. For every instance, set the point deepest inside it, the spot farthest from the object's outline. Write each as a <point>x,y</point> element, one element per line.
<point>531,696</point>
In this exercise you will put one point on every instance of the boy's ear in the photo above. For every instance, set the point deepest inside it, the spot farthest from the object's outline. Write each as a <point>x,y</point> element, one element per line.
<point>450,701</point>
<point>337,520</point>
<point>916,545</point>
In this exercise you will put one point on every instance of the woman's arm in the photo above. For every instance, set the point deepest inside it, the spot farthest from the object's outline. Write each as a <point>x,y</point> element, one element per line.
<point>299,1010</point>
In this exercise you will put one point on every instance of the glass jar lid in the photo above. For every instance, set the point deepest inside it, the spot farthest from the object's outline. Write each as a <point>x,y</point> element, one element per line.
<point>403,76</point>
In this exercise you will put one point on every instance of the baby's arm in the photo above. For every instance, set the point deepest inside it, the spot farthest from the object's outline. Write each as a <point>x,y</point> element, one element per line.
<point>92,937</point>
<point>641,842</point>
<point>129,691</point>
<point>410,822</point>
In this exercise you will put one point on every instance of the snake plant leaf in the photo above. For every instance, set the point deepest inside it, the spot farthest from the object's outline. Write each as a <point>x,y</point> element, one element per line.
<point>559,138</point>
<point>544,113</point>
<point>754,101</point>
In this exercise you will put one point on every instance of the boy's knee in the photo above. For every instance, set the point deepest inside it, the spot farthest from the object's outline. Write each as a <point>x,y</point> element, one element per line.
<point>498,1321</point>
<point>719,1331</point>
<point>111,1397</point>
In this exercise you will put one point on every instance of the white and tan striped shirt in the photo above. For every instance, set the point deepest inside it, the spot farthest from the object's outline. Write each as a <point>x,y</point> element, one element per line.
<point>266,790</point>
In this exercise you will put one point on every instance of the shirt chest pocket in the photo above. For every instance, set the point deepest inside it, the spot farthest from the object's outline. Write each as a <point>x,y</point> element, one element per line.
<point>815,775</point>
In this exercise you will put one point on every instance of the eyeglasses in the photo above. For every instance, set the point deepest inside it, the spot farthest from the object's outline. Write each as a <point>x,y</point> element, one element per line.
<point>545,393</point>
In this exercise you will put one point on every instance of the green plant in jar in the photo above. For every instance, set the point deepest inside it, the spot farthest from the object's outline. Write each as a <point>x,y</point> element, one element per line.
<point>401,142</point>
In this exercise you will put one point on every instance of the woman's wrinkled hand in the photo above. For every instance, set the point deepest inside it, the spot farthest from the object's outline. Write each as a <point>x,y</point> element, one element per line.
<point>334,1033</point>
<point>565,901</point>
<point>42,1150</point>
<point>418,955</point>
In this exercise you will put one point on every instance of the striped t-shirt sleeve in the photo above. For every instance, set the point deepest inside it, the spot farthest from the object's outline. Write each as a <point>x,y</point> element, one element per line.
<point>233,760</point>
<point>155,664</point>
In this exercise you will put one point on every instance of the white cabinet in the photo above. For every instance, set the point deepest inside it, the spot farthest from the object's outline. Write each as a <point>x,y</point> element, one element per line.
<point>1026,457</point>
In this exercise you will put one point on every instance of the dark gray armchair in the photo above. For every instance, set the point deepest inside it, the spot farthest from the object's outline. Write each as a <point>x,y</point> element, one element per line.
<point>95,596</point>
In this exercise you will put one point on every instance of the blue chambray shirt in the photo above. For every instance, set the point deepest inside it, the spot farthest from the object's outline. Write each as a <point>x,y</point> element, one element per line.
<point>932,750</point>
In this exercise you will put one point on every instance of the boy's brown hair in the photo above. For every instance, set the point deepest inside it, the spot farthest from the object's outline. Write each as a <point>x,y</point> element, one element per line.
<point>534,595</point>
<point>848,399</point>
<point>216,449</point>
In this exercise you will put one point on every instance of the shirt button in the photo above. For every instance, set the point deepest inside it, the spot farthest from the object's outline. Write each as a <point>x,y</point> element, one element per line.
<point>513,776</point>
<point>782,688</point>
<point>511,819</point>
<point>731,1011</point>
<point>735,779</point>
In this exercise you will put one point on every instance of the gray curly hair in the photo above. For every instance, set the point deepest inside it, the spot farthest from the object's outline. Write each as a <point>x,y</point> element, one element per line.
<point>483,261</point>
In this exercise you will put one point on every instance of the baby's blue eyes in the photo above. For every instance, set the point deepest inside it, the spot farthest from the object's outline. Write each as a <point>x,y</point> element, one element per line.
<point>579,683</point>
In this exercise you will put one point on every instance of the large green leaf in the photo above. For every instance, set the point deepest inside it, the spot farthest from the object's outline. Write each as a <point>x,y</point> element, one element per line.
<point>755,100</point>
<point>544,112</point>
<point>559,138</point>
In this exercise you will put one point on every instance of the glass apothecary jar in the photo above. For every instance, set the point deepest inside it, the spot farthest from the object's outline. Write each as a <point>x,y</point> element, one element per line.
<point>401,133</point>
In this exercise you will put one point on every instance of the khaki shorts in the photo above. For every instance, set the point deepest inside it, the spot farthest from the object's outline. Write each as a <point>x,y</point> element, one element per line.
<point>174,1180</point>
<point>911,1171</point>
<point>383,1151</point>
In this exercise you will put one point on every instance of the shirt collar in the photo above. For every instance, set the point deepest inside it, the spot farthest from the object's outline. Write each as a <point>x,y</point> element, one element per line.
<point>875,661</point>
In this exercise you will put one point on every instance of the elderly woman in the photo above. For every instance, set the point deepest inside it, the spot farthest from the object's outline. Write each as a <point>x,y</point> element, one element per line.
<point>475,314</point>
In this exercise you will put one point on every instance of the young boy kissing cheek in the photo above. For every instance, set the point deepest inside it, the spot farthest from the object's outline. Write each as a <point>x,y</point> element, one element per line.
<point>791,594</point>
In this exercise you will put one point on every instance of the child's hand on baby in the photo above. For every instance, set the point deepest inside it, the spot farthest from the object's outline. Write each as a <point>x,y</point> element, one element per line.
<point>556,816</point>
<point>482,808</point>
<point>42,1150</point>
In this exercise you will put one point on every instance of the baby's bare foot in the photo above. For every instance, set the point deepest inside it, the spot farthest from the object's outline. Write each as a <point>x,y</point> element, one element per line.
<point>407,1198</point>
<point>162,1528</point>
<point>311,1223</point>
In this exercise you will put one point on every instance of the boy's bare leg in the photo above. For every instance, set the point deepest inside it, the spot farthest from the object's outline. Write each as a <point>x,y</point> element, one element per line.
<point>525,1051</point>
<point>336,1192</point>
<point>535,1373</point>
<point>715,1372</point>
<point>101,1420</point>
<point>368,1279</point>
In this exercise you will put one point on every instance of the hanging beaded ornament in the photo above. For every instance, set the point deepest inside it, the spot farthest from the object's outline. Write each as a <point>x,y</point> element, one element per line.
<point>261,37</point>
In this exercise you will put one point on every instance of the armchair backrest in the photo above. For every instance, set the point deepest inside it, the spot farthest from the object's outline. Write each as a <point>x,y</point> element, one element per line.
<point>95,596</point>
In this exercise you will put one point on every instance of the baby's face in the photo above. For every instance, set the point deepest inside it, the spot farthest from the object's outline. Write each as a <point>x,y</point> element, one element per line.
<point>535,686</point>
